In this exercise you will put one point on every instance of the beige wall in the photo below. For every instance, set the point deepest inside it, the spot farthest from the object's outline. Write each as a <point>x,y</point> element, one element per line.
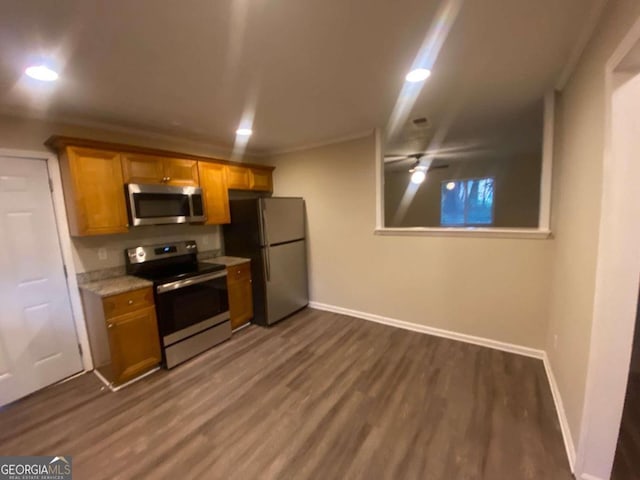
<point>28,134</point>
<point>577,188</point>
<point>516,197</point>
<point>494,288</point>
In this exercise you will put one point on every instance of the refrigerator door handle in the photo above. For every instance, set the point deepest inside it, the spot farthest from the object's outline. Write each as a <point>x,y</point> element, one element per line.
<point>268,262</point>
<point>265,239</point>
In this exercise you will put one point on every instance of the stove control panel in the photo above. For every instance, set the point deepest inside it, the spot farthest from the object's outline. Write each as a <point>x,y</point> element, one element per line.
<point>147,253</point>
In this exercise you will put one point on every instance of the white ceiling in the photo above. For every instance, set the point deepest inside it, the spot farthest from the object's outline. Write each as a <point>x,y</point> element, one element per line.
<point>309,71</point>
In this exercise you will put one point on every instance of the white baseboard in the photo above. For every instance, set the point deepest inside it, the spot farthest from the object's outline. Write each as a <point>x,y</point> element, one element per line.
<point>484,342</point>
<point>438,332</point>
<point>586,476</point>
<point>562,417</point>
<point>120,387</point>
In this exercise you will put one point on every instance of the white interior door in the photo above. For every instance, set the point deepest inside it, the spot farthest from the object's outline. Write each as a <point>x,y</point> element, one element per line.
<point>38,343</point>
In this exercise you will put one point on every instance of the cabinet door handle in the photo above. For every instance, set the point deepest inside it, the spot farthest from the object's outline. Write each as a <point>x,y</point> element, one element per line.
<point>130,302</point>
<point>109,325</point>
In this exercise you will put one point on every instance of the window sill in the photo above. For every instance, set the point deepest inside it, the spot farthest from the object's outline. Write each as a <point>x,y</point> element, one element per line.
<point>527,233</point>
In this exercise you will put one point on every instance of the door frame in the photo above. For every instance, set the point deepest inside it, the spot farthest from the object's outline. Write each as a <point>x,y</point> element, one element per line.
<point>607,371</point>
<point>64,238</point>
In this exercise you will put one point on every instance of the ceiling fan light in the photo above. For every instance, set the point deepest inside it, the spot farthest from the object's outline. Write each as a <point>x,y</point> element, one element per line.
<point>418,176</point>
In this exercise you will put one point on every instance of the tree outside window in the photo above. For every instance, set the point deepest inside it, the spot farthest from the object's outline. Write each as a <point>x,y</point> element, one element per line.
<point>467,202</point>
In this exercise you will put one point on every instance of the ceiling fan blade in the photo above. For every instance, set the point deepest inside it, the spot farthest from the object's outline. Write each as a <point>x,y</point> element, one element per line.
<point>437,167</point>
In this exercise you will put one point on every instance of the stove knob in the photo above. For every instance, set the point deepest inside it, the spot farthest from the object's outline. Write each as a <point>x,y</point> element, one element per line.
<point>141,254</point>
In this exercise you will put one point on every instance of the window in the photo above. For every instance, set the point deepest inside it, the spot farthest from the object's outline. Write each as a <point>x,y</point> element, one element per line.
<point>466,202</point>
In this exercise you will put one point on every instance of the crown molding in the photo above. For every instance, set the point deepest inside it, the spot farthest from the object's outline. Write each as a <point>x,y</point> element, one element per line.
<point>324,143</point>
<point>588,29</point>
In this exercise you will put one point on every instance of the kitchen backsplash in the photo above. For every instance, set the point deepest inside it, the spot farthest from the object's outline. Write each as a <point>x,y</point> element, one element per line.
<point>107,251</point>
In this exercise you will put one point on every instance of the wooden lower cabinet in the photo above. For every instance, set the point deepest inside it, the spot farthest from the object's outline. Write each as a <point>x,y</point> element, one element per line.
<point>239,285</point>
<point>134,342</point>
<point>123,333</point>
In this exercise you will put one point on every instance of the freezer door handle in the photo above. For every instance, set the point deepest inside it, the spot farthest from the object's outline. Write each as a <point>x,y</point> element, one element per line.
<point>261,226</point>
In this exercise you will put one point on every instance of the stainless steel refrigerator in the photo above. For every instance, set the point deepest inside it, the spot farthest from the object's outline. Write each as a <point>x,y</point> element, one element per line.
<point>271,232</point>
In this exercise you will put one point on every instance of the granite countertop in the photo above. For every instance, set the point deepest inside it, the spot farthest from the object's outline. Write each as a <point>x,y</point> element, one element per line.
<point>227,261</point>
<point>115,285</point>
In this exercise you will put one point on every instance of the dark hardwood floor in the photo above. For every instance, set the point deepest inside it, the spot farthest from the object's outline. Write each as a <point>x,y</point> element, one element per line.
<point>316,396</point>
<point>626,465</point>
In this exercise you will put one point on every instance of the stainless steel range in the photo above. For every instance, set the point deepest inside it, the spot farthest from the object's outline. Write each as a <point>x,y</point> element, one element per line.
<point>191,298</point>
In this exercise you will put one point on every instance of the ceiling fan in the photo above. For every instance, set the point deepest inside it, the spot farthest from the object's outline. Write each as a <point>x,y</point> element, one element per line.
<point>417,161</point>
<point>419,169</point>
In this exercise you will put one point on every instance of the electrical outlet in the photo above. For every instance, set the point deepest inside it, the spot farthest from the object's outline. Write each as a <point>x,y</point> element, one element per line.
<point>555,340</point>
<point>102,254</point>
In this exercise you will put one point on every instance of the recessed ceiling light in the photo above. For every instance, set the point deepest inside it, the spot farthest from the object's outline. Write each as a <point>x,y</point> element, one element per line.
<point>244,132</point>
<point>418,75</point>
<point>42,73</point>
<point>418,177</point>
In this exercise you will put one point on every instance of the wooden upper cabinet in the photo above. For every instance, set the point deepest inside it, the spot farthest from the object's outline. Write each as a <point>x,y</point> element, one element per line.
<point>238,178</point>
<point>181,172</point>
<point>213,180</point>
<point>93,191</point>
<point>94,174</point>
<point>249,178</point>
<point>260,180</point>
<point>142,168</point>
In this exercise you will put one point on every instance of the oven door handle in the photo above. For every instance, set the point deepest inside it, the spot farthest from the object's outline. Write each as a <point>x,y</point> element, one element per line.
<point>167,287</point>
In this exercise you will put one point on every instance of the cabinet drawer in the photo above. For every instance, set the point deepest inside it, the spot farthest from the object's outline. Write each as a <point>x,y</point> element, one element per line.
<point>127,302</point>
<point>239,273</point>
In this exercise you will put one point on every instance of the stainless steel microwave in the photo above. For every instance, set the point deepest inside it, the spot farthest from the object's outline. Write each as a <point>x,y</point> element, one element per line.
<point>164,204</point>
